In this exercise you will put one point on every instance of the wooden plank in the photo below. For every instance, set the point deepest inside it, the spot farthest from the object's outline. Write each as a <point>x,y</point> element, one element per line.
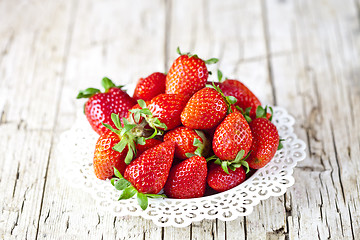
<point>106,40</point>
<point>323,57</point>
<point>234,32</point>
<point>32,43</point>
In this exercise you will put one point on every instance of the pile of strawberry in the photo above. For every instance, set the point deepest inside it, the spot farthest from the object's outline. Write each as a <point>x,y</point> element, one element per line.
<point>179,132</point>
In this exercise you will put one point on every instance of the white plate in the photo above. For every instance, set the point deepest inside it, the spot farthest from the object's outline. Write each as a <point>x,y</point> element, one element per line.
<point>272,180</point>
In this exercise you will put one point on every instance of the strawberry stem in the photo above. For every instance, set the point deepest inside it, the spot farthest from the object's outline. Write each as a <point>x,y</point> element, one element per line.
<point>209,61</point>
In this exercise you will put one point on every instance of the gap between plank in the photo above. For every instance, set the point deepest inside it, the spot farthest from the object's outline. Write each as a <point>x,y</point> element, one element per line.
<point>267,48</point>
<point>70,30</point>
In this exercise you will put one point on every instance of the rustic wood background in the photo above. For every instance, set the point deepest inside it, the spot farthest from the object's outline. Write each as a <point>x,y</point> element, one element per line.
<point>302,55</point>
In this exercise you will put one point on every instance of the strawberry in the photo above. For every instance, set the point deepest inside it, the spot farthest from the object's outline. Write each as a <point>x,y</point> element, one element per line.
<point>149,87</point>
<point>187,179</point>
<point>148,172</point>
<point>245,98</point>
<point>265,142</point>
<point>149,143</point>
<point>187,75</point>
<point>221,181</point>
<point>187,141</point>
<point>100,106</point>
<point>231,136</point>
<point>205,109</point>
<point>114,148</point>
<point>106,158</point>
<point>161,113</point>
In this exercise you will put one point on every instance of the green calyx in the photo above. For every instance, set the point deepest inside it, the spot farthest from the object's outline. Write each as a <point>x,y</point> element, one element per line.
<point>209,61</point>
<point>127,138</point>
<point>128,190</point>
<point>229,100</point>
<point>261,112</point>
<point>106,83</point>
<point>232,165</point>
<point>246,114</point>
<point>201,146</point>
<point>149,119</point>
<point>280,144</point>
<point>219,75</point>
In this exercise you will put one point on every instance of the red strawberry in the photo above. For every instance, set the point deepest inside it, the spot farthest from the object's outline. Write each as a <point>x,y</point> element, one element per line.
<point>245,98</point>
<point>148,172</point>
<point>265,142</point>
<point>187,75</point>
<point>187,179</point>
<point>220,181</point>
<point>100,106</point>
<point>187,141</point>
<point>115,148</point>
<point>149,143</point>
<point>231,136</point>
<point>149,87</point>
<point>105,158</point>
<point>205,109</point>
<point>162,112</point>
<point>167,108</point>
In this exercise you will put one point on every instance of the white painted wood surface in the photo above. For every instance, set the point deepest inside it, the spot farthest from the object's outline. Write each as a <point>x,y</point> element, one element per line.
<point>302,55</point>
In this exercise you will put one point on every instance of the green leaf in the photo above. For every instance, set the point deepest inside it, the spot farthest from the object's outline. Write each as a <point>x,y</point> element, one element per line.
<point>113,181</point>
<point>247,118</point>
<point>218,161</point>
<point>121,184</point>
<point>272,113</point>
<point>198,151</point>
<point>119,147</point>
<point>178,51</point>
<point>197,142</point>
<point>239,156</point>
<point>115,118</point>
<point>246,165</point>
<point>189,155</point>
<point>280,144</point>
<point>236,165</point>
<point>213,157</point>
<point>260,112</point>
<point>111,128</point>
<point>231,99</point>
<point>224,166</point>
<point>140,141</point>
<point>137,116</point>
<point>128,193</point>
<point>117,173</point>
<point>141,103</point>
<point>145,111</point>
<point>129,156</point>
<point>150,195</point>
<point>219,75</point>
<point>211,61</point>
<point>127,128</point>
<point>107,84</point>
<point>142,200</point>
<point>87,93</point>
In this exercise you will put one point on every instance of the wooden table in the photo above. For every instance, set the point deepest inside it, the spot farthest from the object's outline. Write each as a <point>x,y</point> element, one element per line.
<point>301,55</point>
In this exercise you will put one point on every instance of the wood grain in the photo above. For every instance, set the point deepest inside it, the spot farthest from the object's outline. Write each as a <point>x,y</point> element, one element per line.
<point>301,55</point>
